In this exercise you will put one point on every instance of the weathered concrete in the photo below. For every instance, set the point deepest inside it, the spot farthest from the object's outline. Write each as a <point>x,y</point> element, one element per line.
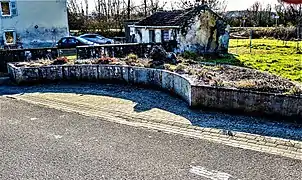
<point>246,101</point>
<point>36,23</point>
<point>195,96</point>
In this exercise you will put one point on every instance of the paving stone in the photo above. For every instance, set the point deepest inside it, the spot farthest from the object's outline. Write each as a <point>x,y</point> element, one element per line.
<point>282,147</point>
<point>270,144</point>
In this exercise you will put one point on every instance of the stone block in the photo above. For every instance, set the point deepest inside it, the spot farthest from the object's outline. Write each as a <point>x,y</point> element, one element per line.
<point>54,73</point>
<point>93,72</point>
<point>186,90</point>
<point>107,72</point>
<point>141,76</point>
<point>30,74</point>
<point>167,81</point>
<point>72,73</point>
<point>156,78</point>
<point>125,73</point>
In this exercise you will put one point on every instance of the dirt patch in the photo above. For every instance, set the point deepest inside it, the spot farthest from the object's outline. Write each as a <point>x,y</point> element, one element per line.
<point>240,78</point>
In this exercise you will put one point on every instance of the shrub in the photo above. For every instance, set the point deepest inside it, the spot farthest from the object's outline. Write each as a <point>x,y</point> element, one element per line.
<point>158,53</point>
<point>285,33</point>
<point>132,56</point>
<point>192,71</point>
<point>106,60</point>
<point>180,67</point>
<point>168,67</point>
<point>190,55</point>
<point>202,74</point>
<point>60,60</point>
<point>218,83</point>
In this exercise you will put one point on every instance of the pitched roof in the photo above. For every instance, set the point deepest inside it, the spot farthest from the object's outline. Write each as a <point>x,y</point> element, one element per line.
<point>173,18</point>
<point>163,18</point>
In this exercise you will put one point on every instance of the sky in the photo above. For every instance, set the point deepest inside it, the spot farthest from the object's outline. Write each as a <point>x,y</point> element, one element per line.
<point>244,4</point>
<point>231,4</point>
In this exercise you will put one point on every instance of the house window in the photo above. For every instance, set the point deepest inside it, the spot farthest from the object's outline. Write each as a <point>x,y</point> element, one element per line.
<point>5,8</point>
<point>9,37</point>
<point>151,36</point>
<point>166,36</point>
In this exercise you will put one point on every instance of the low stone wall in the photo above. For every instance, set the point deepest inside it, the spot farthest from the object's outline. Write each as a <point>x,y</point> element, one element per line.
<point>195,96</point>
<point>166,80</point>
<point>246,101</point>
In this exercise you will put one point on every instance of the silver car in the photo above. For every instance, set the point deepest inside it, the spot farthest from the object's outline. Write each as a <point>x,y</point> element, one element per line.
<point>97,39</point>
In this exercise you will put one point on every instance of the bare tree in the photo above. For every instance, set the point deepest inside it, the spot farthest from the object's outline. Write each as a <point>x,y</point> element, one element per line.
<point>289,14</point>
<point>145,7</point>
<point>218,5</point>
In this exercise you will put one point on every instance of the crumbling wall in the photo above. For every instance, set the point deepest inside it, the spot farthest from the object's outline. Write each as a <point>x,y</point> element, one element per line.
<point>203,34</point>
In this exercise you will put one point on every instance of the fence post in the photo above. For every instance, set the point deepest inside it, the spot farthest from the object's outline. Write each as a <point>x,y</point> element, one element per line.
<point>77,51</point>
<point>251,37</point>
<point>237,46</point>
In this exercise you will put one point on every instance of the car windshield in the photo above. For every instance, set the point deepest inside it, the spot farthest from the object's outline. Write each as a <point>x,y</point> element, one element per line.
<point>92,36</point>
<point>100,37</point>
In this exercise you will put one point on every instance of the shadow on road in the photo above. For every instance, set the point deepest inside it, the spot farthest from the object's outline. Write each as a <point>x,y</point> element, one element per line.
<point>146,99</point>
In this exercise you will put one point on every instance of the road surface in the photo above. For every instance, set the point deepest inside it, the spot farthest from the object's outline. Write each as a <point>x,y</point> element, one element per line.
<point>42,143</point>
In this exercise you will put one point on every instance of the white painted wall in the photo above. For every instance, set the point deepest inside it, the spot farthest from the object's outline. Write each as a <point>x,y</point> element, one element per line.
<point>158,35</point>
<point>38,22</point>
<point>145,35</point>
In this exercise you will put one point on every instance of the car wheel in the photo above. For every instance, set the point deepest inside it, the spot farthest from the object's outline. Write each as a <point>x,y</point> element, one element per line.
<point>108,42</point>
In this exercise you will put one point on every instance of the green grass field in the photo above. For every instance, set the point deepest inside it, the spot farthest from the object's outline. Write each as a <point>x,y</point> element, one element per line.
<point>274,56</point>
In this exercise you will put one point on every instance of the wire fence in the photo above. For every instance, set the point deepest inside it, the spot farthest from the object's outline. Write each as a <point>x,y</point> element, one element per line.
<point>264,46</point>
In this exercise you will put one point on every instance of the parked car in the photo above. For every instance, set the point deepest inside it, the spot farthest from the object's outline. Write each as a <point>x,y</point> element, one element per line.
<point>97,38</point>
<point>73,42</point>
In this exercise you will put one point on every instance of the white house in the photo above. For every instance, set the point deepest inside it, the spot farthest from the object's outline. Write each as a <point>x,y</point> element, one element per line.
<point>196,29</point>
<point>32,23</point>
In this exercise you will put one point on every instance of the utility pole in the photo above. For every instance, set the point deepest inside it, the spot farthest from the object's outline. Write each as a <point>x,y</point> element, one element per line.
<point>128,9</point>
<point>145,6</point>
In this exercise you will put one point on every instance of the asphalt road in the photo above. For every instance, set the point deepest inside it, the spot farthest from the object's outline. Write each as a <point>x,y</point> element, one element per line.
<point>41,143</point>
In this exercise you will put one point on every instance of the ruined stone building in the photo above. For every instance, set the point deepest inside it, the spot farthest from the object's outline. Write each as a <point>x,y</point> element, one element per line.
<point>197,29</point>
<point>32,23</point>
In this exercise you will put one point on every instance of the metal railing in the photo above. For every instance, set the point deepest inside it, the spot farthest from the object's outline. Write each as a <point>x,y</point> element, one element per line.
<point>120,50</point>
<point>81,52</point>
<point>21,55</point>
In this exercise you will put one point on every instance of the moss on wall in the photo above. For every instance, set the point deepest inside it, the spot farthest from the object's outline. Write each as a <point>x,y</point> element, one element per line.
<point>201,32</point>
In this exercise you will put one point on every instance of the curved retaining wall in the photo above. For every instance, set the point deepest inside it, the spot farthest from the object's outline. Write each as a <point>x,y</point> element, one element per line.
<point>166,80</point>
<point>195,96</point>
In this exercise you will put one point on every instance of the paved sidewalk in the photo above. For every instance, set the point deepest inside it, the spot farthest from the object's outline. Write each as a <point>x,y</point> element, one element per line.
<point>130,112</point>
<point>44,143</point>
